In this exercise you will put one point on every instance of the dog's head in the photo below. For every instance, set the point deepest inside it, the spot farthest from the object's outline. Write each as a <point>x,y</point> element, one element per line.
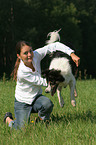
<point>54,77</point>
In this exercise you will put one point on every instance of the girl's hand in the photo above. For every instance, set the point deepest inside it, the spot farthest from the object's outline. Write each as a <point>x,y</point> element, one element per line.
<point>76,59</point>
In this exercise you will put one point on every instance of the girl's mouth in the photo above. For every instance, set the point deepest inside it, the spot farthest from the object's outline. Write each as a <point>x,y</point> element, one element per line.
<point>29,58</point>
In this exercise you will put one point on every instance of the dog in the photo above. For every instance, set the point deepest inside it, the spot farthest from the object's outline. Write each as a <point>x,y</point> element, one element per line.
<point>60,74</point>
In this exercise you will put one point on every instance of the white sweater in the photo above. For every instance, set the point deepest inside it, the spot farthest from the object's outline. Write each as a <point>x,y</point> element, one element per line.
<point>28,82</point>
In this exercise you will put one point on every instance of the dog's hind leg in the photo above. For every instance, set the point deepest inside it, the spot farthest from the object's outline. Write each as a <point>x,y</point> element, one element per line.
<point>75,92</point>
<point>61,101</point>
<point>72,87</point>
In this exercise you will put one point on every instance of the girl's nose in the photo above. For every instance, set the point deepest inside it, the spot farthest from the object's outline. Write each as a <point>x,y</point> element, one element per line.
<point>29,53</point>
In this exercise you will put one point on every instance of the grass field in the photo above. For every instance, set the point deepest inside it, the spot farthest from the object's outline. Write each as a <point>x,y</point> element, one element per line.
<point>68,125</point>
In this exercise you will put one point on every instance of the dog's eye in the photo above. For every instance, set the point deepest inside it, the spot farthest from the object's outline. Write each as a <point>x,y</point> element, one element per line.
<point>52,83</point>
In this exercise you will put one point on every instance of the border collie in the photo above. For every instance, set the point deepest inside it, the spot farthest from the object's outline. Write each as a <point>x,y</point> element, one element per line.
<point>60,73</point>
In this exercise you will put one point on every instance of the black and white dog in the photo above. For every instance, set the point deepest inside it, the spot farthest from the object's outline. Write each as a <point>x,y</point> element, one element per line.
<point>60,74</point>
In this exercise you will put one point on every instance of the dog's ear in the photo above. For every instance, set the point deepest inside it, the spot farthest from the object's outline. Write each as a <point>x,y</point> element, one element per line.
<point>54,72</point>
<point>60,78</point>
<point>45,73</point>
<point>54,75</point>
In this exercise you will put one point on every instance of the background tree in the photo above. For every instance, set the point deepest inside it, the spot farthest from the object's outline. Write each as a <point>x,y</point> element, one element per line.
<point>32,20</point>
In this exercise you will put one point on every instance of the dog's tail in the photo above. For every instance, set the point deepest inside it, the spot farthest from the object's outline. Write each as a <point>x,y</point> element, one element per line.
<point>54,36</point>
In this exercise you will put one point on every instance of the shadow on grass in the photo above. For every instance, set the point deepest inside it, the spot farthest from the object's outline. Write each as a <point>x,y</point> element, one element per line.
<point>84,116</point>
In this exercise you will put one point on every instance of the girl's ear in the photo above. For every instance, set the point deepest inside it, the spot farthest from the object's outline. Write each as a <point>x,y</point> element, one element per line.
<point>18,56</point>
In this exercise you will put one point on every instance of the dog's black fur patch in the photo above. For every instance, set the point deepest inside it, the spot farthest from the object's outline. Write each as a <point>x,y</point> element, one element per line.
<point>54,77</point>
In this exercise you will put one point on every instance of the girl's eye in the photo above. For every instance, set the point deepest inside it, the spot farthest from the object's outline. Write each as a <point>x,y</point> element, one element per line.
<point>30,50</point>
<point>26,53</point>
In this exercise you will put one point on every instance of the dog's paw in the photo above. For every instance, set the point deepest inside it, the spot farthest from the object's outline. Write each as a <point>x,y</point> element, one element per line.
<point>48,90</point>
<point>73,102</point>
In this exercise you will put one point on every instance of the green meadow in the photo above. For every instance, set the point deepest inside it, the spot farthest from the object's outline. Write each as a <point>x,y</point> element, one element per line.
<point>67,126</point>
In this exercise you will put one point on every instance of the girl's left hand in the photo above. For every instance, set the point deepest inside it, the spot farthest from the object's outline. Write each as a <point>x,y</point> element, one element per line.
<point>76,59</point>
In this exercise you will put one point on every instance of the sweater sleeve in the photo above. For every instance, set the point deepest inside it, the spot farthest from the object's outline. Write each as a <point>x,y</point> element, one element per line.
<point>57,46</point>
<point>34,79</point>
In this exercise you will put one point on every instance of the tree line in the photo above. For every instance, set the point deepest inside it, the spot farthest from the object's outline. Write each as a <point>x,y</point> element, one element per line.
<point>32,20</point>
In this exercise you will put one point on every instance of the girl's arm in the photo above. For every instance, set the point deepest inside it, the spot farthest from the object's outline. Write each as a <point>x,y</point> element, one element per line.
<point>34,79</point>
<point>57,46</point>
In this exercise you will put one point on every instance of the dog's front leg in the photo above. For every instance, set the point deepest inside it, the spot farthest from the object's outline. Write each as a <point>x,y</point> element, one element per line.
<point>61,101</point>
<point>72,88</point>
<point>48,89</point>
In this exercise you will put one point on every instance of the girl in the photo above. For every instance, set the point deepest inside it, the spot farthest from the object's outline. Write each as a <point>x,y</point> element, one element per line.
<point>28,92</point>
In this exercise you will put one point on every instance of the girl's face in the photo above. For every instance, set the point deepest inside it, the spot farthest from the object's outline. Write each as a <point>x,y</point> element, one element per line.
<point>26,55</point>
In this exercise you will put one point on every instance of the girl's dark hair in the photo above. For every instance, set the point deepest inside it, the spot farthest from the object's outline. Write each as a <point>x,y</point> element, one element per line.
<point>19,45</point>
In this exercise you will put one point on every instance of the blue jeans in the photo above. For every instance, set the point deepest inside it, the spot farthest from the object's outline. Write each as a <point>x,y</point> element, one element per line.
<point>42,105</point>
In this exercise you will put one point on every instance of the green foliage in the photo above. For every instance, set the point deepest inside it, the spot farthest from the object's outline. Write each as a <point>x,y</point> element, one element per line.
<point>67,125</point>
<point>32,20</point>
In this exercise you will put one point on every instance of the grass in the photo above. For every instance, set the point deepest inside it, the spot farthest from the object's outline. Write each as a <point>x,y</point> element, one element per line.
<point>68,125</point>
